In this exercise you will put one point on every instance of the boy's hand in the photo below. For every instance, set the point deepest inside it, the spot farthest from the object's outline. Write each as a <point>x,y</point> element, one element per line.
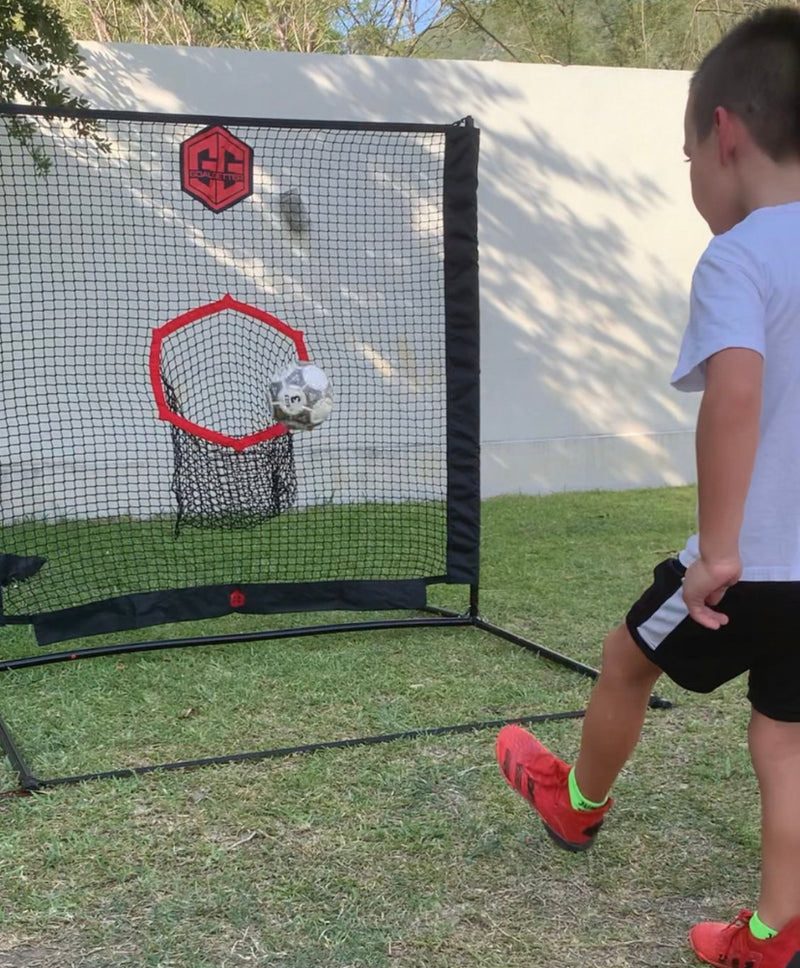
<point>704,585</point>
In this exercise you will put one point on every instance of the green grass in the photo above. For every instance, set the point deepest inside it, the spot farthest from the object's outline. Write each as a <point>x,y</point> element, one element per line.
<point>408,855</point>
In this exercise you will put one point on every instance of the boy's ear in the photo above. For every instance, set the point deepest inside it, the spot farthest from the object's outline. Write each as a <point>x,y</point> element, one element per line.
<point>729,129</point>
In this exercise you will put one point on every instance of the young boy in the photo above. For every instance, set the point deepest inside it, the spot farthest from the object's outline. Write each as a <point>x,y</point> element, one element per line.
<point>731,601</point>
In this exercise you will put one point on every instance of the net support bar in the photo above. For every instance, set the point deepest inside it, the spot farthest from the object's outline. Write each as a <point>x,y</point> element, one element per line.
<point>437,617</point>
<point>26,780</point>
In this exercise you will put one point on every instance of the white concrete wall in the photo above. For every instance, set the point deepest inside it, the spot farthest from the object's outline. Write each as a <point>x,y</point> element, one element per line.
<point>587,234</point>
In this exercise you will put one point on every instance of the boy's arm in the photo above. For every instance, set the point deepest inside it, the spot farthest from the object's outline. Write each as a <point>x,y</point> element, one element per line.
<point>726,442</point>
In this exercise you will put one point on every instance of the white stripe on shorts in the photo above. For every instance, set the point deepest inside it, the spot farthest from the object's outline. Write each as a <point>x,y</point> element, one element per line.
<point>664,620</point>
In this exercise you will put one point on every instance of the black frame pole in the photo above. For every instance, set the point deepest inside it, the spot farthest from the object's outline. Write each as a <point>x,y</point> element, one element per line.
<point>27,780</point>
<point>655,702</point>
<point>50,658</point>
<point>409,595</point>
<point>33,783</point>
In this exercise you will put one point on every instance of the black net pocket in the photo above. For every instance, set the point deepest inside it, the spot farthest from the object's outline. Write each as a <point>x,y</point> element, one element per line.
<point>216,487</point>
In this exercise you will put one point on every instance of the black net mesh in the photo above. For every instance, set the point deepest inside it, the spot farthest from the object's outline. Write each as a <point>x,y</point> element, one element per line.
<point>341,238</point>
<point>216,486</point>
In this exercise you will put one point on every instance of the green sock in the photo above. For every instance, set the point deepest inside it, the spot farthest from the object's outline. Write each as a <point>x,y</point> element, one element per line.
<point>578,800</point>
<point>760,930</point>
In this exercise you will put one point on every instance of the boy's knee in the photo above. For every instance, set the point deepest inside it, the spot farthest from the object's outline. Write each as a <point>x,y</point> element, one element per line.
<point>623,660</point>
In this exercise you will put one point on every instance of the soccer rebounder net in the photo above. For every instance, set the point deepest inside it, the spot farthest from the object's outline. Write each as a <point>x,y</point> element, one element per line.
<point>166,286</point>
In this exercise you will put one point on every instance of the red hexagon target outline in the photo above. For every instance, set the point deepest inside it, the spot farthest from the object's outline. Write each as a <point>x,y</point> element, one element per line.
<point>216,168</point>
<point>161,333</point>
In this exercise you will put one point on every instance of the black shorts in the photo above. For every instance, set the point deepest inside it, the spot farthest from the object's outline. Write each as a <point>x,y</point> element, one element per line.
<point>762,637</point>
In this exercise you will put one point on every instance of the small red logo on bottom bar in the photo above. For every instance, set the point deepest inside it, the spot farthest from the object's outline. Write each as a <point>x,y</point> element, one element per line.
<point>237,599</point>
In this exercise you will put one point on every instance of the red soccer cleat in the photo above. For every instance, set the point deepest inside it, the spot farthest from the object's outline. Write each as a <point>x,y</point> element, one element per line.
<point>733,946</point>
<point>539,776</point>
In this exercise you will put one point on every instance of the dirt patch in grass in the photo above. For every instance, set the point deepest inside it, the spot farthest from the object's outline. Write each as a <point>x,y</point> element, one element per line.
<point>46,956</point>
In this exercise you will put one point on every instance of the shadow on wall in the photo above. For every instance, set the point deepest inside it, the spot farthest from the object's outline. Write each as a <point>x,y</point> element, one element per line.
<point>581,323</point>
<point>589,321</point>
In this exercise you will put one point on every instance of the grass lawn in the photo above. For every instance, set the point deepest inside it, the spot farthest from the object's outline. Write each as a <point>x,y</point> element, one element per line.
<point>409,855</point>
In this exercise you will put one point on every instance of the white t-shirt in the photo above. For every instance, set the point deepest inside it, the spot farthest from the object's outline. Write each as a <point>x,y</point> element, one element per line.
<point>746,293</point>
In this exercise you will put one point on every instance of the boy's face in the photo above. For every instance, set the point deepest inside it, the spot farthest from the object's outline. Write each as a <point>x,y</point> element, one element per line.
<point>714,191</point>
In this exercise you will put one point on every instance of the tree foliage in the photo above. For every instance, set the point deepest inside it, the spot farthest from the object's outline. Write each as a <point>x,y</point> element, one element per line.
<point>35,48</point>
<point>298,25</point>
<point>668,34</point>
<point>38,46</point>
<point>631,33</point>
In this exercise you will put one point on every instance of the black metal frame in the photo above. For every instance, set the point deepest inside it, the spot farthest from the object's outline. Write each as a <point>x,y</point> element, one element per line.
<point>463,502</point>
<point>435,617</point>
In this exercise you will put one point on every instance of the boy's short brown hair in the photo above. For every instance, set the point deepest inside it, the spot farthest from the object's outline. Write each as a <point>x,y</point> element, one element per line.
<point>754,72</point>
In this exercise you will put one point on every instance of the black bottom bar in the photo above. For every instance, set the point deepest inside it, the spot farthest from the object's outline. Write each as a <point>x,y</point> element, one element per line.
<point>438,617</point>
<point>445,619</point>
<point>35,784</point>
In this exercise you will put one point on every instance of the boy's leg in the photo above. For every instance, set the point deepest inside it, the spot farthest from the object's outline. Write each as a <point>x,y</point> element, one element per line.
<point>612,725</point>
<point>775,752</point>
<point>615,714</point>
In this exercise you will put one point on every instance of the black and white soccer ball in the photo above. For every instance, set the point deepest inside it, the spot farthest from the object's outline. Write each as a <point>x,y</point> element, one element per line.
<point>301,396</point>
